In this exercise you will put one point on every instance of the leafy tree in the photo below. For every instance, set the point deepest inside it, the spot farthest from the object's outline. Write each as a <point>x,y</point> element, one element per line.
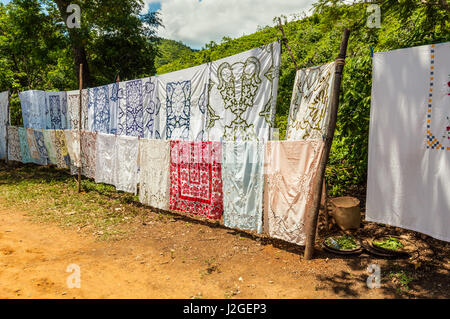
<point>169,50</point>
<point>114,38</point>
<point>38,51</point>
<point>31,50</point>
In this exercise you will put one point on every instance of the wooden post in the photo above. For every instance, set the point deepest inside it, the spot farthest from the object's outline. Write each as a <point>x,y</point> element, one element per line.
<point>286,43</point>
<point>325,208</point>
<point>317,188</point>
<point>8,120</point>
<point>79,125</point>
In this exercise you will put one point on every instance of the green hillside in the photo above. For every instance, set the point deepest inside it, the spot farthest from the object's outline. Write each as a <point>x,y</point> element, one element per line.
<point>170,50</point>
<point>315,40</point>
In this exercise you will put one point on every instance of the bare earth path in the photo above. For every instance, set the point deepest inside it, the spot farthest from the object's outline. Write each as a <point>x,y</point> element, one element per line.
<point>126,250</point>
<point>34,258</point>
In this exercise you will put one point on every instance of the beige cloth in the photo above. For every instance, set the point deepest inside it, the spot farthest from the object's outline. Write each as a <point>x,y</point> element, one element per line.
<point>290,170</point>
<point>309,114</point>
<point>154,177</point>
<point>73,147</point>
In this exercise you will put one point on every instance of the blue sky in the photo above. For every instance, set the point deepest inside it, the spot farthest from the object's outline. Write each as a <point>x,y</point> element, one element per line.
<point>196,22</point>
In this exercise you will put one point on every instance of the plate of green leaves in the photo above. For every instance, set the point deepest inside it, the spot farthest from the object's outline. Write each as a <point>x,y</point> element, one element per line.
<point>391,244</point>
<point>342,244</point>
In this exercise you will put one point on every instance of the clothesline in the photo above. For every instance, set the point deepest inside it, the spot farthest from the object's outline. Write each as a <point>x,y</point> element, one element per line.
<point>232,98</point>
<point>233,179</point>
<point>175,135</point>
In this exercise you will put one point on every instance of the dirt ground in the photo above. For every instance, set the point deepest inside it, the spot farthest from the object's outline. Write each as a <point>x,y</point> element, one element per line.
<point>187,258</point>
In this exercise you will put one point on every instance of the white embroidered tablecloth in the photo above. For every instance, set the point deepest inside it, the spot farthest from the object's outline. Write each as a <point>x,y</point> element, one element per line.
<point>105,155</point>
<point>126,164</point>
<point>154,175</point>
<point>408,182</point>
<point>242,95</point>
<point>183,97</point>
<point>311,101</point>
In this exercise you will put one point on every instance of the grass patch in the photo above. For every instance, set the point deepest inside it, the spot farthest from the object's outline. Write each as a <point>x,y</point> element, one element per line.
<point>51,195</point>
<point>402,279</point>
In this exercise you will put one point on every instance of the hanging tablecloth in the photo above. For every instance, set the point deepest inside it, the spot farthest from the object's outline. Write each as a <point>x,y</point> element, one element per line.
<point>14,148</point>
<point>154,175</point>
<point>62,154</point>
<point>56,112</point>
<point>102,111</point>
<point>73,147</point>
<point>242,95</point>
<point>291,168</point>
<point>32,146</point>
<point>183,95</point>
<point>3,122</point>
<point>34,108</point>
<point>243,184</point>
<point>408,183</point>
<point>88,153</point>
<point>311,101</point>
<point>126,164</point>
<point>40,144</point>
<point>105,149</point>
<point>24,147</point>
<point>196,178</point>
<point>137,108</point>
<point>50,146</point>
<point>73,106</point>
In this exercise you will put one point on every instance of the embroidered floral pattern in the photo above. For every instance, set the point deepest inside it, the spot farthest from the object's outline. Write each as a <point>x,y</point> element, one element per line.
<point>100,109</point>
<point>14,150</point>
<point>178,109</point>
<point>62,154</point>
<point>73,109</point>
<point>154,175</point>
<point>88,153</point>
<point>196,178</point>
<point>291,167</point>
<point>24,147</point>
<point>126,163</point>
<point>40,144</point>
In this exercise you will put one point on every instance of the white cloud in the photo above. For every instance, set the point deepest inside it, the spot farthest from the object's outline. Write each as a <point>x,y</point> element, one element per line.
<point>197,22</point>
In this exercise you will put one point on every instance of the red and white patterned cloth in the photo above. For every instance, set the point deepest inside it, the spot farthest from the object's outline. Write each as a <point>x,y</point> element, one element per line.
<point>196,178</point>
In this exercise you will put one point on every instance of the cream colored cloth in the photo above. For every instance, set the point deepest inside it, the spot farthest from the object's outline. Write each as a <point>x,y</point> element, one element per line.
<point>311,100</point>
<point>63,158</point>
<point>73,147</point>
<point>154,178</point>
<point>290,170</point>
<point>88,153</point>
<point>73,108</point>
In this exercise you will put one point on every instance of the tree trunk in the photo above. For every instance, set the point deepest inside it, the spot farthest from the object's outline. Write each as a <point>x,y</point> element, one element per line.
<point>78,49</point>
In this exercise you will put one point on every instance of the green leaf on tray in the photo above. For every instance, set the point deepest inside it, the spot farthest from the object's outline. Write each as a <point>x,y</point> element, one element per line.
<point>345,242</point>
<point>391,243</point>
